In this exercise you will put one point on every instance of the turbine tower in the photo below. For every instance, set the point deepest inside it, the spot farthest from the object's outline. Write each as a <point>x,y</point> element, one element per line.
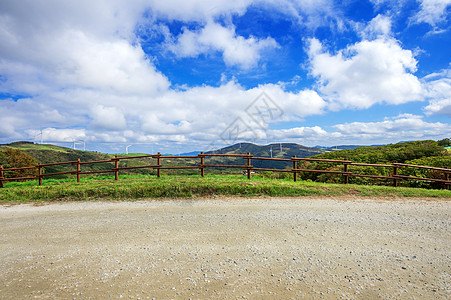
<point>39,134</point>
<point>126,148</point>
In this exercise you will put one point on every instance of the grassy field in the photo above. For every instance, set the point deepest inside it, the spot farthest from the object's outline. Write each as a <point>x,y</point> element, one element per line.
<point>188,187</point>
<point>28,146</point>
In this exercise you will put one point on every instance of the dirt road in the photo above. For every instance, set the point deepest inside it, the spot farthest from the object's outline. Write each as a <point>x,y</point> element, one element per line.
<point>262,248</point>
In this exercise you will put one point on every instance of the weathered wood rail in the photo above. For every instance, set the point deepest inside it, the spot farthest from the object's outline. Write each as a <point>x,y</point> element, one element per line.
<point>247,167</point>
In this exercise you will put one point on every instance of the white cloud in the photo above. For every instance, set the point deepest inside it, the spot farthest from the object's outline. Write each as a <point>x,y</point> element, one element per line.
<point>438,86</point>
<point>311,13</point>
<point>432,12</point>
<point>75,59</point>
<point>378,27</point>
<point>82,73</point>
<point>109,118</point>
<point>401,128</point>
<point>198,113</point>
<point>296,105</point>
<point>405,126</point>
<point>197,10</point>
<point>62,135</point>
<point>309,134</point>
<point>439,107</point>
<point>236,50</point>
<point>366,73</point>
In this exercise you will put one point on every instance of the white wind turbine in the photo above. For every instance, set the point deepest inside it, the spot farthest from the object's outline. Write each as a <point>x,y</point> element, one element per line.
<point>36,135</point>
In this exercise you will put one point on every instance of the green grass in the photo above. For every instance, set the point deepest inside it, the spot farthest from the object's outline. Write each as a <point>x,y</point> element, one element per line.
<point>183,186</point>
<point>40,147</point>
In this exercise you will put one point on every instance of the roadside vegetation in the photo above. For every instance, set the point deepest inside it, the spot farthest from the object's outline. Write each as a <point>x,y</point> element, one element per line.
<point>190,187</point>
<point>425,153</point>
<point>143,183</point>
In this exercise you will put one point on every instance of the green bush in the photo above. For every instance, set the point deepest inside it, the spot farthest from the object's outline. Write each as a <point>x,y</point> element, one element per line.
<point>15,158</point>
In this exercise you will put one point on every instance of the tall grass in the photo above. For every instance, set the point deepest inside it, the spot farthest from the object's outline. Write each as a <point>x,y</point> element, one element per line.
<point>183,186</point>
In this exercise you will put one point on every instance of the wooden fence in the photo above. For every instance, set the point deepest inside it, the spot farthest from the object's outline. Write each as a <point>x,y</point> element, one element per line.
<point>247,167</point>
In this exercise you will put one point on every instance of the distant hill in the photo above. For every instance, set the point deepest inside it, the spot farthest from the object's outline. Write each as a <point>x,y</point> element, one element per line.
<point>46,153</point>
<point>279,150</point>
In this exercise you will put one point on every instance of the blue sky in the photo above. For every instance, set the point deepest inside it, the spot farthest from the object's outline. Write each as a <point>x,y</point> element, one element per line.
<point>175,76</point>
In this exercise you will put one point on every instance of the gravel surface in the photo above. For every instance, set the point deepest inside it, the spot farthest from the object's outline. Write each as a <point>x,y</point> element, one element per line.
<point>237,248</point>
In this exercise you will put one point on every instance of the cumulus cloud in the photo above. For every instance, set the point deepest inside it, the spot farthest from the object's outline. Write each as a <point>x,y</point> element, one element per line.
<point>236,50</point>
<point>198,10</point>
<point>298,105</point>
<point>439,107</point>
<point>78,70</point>
<point>365,73</point>
<point>301,135</point>
<point>74,58</point>
<point>438,86</point>
<point>378,27</point>
<point>61,135</point>
<point>432,12</point>
<point>404,126</point>
<point>309,13</point>
<point>109,118</point>
<point>199,113</point>
<point>400,128</point>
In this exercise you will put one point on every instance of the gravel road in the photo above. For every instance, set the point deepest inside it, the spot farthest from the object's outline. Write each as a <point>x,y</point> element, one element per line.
<point>229,248</point>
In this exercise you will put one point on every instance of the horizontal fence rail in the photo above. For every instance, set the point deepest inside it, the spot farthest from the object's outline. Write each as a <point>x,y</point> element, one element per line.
<point>247,168</point>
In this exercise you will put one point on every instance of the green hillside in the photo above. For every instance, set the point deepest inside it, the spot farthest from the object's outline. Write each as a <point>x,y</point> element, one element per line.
<point>400,152</point>
<point>279,150</point>
<point>45,153</point>
<point>426,153</point>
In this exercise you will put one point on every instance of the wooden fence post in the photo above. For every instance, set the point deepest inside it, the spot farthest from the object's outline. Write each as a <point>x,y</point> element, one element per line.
<point>248,164</point>
<point>39,174</point>
<point>1,176</point>
<point>294,167</point>
<point>395,172</point>
<point>202,161</point>
<point>446,186</point>
<point>346,177</point>
<point>116,168</point>
<point>78,170</point>
<point>159,164</point>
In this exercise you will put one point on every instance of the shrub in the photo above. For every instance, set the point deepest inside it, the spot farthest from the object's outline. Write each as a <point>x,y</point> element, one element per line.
<point>15,158</point>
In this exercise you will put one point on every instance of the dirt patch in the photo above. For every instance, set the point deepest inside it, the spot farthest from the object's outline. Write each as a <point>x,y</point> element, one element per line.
<point>227,248</point>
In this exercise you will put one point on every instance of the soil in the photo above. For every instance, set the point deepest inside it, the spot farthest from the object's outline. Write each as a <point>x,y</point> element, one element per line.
<point>228,248</point>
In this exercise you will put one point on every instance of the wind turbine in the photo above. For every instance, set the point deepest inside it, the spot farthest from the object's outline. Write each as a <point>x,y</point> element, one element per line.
<point>126,148</point>
<point>270,150</point>
<point>39,134</point>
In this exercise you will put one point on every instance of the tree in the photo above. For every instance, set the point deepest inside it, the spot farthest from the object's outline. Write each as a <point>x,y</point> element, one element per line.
<point>15,158</point>
<point>445,142</point>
